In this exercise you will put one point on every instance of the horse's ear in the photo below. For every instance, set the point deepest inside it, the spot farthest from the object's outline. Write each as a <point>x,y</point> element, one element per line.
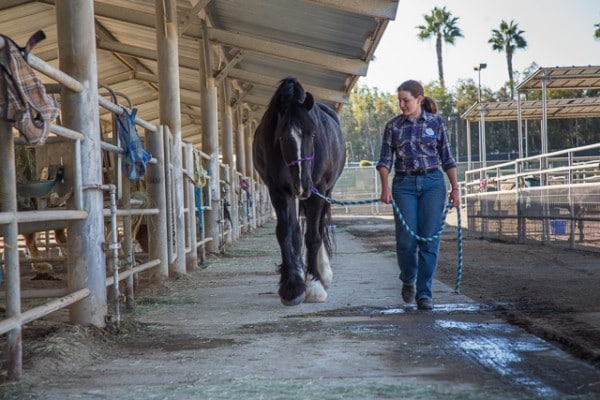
<point>309,101</point>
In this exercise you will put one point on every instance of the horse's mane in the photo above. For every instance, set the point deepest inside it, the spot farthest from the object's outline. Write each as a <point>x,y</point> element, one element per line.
<point>288,105</point>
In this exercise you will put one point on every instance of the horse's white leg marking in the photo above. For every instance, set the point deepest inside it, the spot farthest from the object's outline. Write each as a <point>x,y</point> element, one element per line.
<point>315,292</point>
<point>324,267</point>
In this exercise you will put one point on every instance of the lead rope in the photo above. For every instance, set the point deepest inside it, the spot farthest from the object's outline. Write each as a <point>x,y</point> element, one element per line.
<point>460,253</point>
<point>410,231</point>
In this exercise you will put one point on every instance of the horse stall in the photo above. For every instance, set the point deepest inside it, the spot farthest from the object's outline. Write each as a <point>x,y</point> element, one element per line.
<point>99,212</point>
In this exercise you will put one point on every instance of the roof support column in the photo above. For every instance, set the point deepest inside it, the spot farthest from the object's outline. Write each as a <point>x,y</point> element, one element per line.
<point>250,168</point>
<point>210,140</point>
<point>229,160</point>
<point>155,185</point>
<point>544,129</point>
<point>79,111</point>
<point>240,149</point>
<point>519,125</point>
<point>190,197</point>
<point>482,145</point>
<point>14,345</point>
<point>469,157</point>
<point>170,112</point>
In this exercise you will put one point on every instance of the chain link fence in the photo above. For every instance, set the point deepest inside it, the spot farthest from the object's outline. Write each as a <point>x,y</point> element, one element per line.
<point>358,184</point>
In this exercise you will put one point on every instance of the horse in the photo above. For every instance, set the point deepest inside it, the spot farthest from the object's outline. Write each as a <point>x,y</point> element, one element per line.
<point>299,152</point>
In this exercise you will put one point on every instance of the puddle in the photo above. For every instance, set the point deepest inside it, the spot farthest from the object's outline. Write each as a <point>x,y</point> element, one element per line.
<point>502,348</point>
<point>438,308</point>
<point>197,344</point>
<point>373,330</point>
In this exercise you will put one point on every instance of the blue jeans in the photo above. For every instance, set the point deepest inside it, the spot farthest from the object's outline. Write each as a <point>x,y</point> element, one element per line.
<point>421,200</point>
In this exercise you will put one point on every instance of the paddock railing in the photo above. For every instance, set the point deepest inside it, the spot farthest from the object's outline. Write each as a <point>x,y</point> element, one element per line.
<point>355,185</point>
<point>119,211</point>
<point>552,198</point>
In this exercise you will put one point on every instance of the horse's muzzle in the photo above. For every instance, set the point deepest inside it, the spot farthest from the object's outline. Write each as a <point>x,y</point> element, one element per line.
<point>303,190</point>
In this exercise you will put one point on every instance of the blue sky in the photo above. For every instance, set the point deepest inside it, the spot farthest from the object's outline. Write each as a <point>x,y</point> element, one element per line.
<point>558,33</point>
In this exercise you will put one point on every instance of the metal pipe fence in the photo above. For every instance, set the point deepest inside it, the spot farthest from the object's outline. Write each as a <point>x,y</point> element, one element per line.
<point>552,198</point>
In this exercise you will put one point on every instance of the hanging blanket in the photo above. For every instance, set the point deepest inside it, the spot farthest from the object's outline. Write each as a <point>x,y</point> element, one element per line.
<point>134,155</point>
<point>23,99</point>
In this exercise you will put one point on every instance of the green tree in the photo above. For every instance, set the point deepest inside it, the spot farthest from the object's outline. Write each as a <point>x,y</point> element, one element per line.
<point>363,121</point>
<point>597,31</point>
<point>508,38</point>
<point>441,25</point>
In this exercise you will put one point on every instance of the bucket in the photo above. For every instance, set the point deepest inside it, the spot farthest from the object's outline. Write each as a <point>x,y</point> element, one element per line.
<point>558,227</point>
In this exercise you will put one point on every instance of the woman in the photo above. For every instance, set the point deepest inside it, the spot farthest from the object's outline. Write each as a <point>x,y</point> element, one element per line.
<point>418,141</point>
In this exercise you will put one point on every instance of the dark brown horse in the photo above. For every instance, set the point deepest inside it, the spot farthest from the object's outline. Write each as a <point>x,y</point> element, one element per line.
<point>299,152</point>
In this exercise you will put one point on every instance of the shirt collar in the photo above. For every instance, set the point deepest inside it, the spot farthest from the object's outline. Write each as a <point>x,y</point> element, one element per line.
<point>425,116</point>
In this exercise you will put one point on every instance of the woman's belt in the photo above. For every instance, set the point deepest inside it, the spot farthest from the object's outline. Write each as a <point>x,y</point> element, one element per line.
<point>417,172</point>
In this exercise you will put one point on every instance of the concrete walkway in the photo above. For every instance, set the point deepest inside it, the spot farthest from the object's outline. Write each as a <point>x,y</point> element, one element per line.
<point>221,333</point>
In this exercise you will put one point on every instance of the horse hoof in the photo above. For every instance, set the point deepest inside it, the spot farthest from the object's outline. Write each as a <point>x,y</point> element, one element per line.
<point>293,302</point>
<point>315,292</point>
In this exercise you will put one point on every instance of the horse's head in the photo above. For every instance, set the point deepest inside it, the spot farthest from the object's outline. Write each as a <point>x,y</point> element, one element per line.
<point>296,132</point>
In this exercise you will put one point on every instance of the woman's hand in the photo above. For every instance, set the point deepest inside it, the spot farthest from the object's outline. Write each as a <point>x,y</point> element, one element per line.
<point>386,195</point>
<point>454,197</point>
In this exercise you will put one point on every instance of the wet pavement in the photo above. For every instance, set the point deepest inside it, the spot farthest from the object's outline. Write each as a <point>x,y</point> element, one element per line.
<point>221,333</point>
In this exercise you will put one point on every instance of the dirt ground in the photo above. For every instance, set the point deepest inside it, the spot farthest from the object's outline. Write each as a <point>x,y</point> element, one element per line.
<point>221,333</point>
<point>553,293</point>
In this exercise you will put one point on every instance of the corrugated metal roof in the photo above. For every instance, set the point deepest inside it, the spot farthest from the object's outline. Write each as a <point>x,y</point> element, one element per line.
<point>563,78</point>
<point>326,44</point>
<point>554,78</point>
<point>532,109</point>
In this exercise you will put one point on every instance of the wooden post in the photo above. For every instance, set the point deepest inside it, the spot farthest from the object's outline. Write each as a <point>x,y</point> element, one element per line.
<point>8,184</point>
<point>79,111</point>
<point>157,224</point>
<point>170,111</point>
<point>228,160</point>
<point>240,162</point>
<point>129,254</point>
<point>192,256</point>
<point>210,141</point>
<point>250,171</point>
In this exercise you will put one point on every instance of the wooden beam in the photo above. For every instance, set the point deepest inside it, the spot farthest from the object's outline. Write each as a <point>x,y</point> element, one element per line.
<point>192,16</point>
<point>299,54</point>
<point>265,80</point>
<point>125,14</point>
<point>239,56</point>
<point>141,52</point>
<point>6,4</point>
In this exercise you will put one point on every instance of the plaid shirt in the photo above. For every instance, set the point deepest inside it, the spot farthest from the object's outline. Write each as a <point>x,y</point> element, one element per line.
<point>423,144</point>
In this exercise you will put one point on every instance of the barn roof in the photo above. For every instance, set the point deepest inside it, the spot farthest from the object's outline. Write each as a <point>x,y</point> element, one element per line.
<point>326,44</point>
<point>532,109</point>
<point>556,78</point>
<point>583,77</point>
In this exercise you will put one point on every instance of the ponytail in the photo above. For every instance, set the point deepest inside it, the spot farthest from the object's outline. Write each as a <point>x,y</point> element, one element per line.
<point>429,105</point>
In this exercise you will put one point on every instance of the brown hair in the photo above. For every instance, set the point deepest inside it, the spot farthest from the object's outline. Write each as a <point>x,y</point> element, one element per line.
<point>416,89</point>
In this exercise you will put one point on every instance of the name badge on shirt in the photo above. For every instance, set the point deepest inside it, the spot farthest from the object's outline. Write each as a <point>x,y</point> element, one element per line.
<point>428,132</point>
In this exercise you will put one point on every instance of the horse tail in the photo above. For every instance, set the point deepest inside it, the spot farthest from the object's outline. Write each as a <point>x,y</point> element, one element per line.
<point>326,230</point>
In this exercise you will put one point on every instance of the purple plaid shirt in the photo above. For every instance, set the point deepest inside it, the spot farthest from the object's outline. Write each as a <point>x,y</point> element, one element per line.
<point>423,144</point>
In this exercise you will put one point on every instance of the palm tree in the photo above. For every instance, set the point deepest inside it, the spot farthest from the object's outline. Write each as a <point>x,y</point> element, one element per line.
<point>508,38</point>
<point>441,25</point>
<point>597,31</point>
